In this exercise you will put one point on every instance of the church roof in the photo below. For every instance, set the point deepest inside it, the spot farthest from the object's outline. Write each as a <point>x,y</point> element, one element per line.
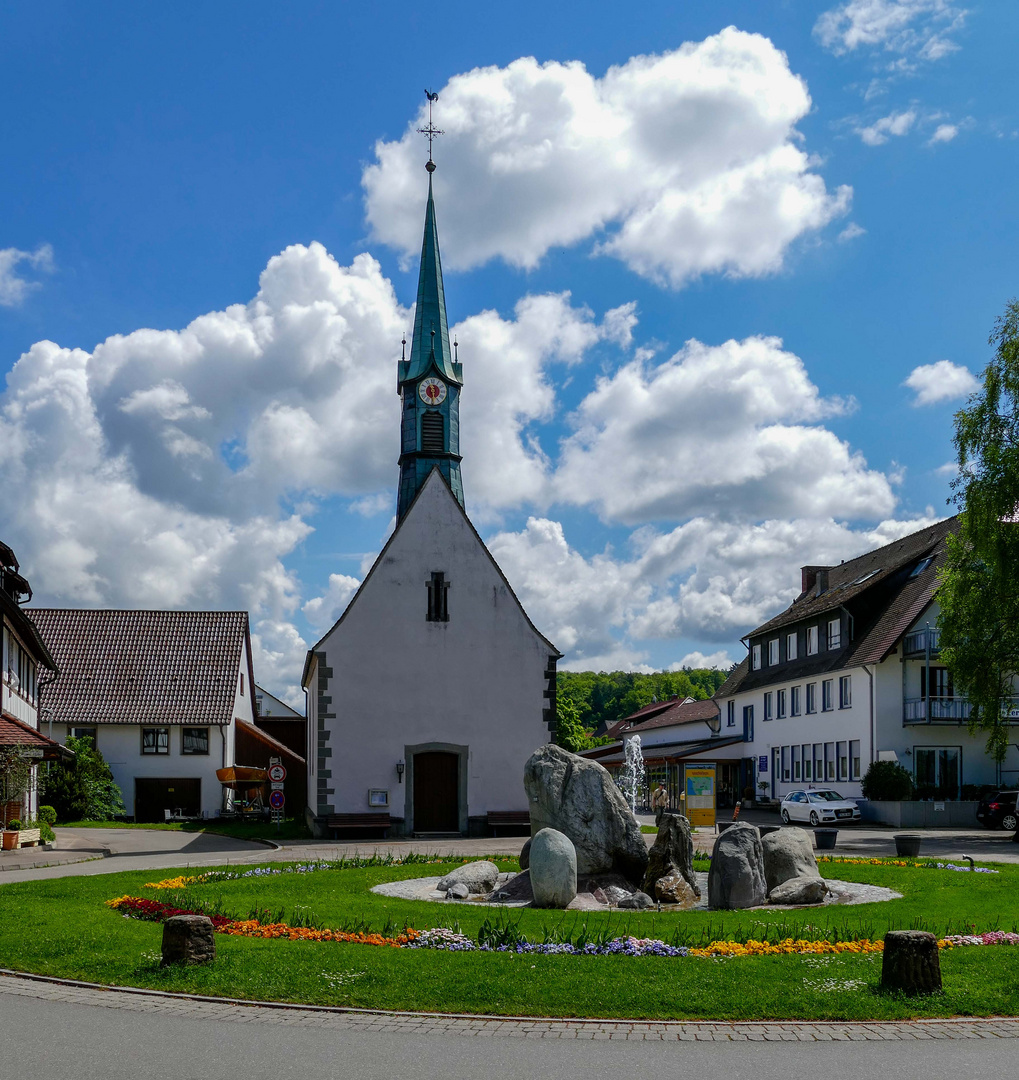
<point>435,476</point>
<point>430,313</point>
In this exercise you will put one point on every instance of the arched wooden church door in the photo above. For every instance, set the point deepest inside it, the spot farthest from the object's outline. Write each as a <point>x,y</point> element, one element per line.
<point>436,792</point>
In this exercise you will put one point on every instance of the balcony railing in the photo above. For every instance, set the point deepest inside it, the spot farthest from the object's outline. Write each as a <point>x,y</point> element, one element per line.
<point>941,709</point>
<point>915,644</point>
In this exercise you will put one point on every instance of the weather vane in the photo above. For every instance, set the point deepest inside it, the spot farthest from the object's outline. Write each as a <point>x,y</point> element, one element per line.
<point>431,131</point>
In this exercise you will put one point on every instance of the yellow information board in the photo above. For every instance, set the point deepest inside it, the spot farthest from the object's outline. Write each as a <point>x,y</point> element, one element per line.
<point>700,794</point>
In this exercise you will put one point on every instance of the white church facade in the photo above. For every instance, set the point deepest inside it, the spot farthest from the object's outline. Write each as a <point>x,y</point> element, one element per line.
<point>428,695</point>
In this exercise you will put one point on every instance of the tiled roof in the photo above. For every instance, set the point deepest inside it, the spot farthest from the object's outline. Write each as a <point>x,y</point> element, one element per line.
<point>14,732</point>
<point>143,667</point>
<point>685,711</point>
<point>883,607</point>
<point>851,579</point>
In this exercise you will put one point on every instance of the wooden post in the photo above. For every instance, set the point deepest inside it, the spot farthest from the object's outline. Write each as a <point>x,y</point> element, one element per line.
<point>911,963</point>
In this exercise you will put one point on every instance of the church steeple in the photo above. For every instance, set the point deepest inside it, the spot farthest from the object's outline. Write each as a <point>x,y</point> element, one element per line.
<point>429,382</point>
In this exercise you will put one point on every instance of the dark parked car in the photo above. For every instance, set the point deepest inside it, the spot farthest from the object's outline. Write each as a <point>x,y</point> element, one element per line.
<point>998,811</point>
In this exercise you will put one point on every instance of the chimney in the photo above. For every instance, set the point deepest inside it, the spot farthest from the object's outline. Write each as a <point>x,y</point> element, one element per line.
<point>814,575</point>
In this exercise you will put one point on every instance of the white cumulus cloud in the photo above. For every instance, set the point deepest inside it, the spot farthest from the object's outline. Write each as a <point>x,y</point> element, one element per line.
<point>943,133</point>
<point>721,660</point>
<point>679,164</point>
<point>646,448</point>
<point>940,381</point>
<point>13,287</point>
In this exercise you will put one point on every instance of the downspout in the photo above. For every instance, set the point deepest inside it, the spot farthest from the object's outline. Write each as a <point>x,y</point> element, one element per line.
<point>870,676</point>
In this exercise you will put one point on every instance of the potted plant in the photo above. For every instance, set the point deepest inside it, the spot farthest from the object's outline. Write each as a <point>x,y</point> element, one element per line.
<point>763,785</point>
<point>12,835</point>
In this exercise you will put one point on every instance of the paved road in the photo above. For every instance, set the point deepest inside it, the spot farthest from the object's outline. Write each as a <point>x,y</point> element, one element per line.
<point>61,1033</point>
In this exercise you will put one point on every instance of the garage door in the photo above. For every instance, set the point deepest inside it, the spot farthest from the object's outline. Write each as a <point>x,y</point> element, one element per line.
<point>154,795</point>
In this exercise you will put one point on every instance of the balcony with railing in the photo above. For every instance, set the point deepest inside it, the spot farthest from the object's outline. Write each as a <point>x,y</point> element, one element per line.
<point>915,644</point>
<point>935,710</point>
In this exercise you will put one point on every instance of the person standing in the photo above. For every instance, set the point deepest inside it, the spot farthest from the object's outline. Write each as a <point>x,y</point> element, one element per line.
<point>659,802</point>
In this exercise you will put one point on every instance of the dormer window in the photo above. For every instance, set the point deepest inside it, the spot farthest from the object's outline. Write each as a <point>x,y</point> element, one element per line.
<point>438,605</point>
<point>773,652</point>
<point>835,634</point>
<point>790,647</point>
<point>811,641</point>
<point>921,566</point>
<point>755,658</point>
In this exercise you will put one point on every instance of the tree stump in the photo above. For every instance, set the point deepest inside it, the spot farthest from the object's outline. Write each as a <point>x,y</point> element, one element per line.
<point>911,962</point>
<point>188,939</point>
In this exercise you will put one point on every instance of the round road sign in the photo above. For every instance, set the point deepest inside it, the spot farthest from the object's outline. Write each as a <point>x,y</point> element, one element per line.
<point>276,800</point>
<point>277,773</point>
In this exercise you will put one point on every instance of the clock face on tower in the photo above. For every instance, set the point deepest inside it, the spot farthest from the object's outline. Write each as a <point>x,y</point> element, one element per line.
<point>432,391</point>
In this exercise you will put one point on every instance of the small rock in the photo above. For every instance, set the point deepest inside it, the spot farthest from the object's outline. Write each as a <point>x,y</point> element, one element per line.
<point>673,888</point>
<point>615,895</point>
<point>479,877</point>
<point>638,900</point>
<point>515,891</point>
<point>553,869</point>
<point>599,895</point>
<point>188,939</point>
<point>457,891</point>
<point>525,854</point>
<point>803,890</point>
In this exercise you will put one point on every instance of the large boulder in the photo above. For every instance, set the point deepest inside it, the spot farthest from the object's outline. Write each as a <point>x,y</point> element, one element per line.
<point>578,798</point>
<point>671,852</point>
<point>553,869</point>
<point>788,854</point>
<point>736,878</point>
<point>479,877</point>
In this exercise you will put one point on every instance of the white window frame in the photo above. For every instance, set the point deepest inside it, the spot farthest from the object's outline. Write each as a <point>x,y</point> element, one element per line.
<point>795,700</point>
<point>835,634</point>
<point>808,760</point>
<point>769,706</point>
<point>841,761</point>
<point>773,657</point>
<point>854,759</point>
<point>845,691</point>
<point>810,703</point>
<point>790,646</point>
<point>755,657</point>
<point>780,704</point>
<point>812,641</point>
<point>827,695</point>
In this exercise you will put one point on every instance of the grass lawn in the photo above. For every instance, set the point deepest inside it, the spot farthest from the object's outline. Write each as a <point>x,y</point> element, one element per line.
<point>290,829</point>
<point>62,927</point>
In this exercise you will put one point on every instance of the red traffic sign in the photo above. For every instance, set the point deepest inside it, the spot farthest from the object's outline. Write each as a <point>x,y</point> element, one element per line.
<point>277,773</point>
<point>276,800</point>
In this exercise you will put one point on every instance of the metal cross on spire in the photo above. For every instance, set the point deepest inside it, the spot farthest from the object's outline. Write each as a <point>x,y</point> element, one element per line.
<point>431,131</point>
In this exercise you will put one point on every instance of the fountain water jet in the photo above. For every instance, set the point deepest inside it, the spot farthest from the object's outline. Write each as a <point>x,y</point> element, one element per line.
<point>631,776</point>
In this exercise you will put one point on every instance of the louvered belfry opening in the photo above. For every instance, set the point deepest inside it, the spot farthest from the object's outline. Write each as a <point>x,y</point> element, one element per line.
<point>432,433</point>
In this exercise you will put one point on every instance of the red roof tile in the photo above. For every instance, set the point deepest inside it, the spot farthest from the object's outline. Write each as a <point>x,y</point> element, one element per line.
<point>14,732</point>
<point>143,667</point>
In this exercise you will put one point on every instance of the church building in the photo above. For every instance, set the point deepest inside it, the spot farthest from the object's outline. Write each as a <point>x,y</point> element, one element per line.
<point>429,694</point>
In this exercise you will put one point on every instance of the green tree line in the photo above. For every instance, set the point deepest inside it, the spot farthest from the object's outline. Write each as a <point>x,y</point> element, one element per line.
<point>588,701</point>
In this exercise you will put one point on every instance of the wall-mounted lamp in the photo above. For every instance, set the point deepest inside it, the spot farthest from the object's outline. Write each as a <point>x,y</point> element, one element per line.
<point>909,753</point>
<point>400,766</point>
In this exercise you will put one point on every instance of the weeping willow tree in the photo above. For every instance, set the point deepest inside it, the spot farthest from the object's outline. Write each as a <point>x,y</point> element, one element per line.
<point>979,586</point>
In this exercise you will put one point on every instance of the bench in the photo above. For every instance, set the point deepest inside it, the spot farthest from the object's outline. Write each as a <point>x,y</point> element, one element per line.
<point>336,822</point>
<point>513,819</point>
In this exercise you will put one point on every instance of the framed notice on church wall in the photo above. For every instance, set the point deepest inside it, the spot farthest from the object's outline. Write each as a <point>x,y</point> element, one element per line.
<point>378,797</point>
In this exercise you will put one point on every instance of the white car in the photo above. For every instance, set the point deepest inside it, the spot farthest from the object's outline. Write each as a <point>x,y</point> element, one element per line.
<point>820,807</point>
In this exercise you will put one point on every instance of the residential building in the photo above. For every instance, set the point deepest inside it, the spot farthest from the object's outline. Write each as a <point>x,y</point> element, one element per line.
<point>850,673</point>
<point>429,694</point>
<point>285,724</point>
<point>23,659</point>
<point>160,692</point>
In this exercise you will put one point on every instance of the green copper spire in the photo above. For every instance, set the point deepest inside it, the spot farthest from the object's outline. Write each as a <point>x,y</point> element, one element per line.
<point>431,332</point>
<point>429,383</point>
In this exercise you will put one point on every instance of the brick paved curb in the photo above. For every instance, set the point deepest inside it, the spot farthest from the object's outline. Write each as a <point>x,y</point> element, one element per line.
<point>237,1010</point>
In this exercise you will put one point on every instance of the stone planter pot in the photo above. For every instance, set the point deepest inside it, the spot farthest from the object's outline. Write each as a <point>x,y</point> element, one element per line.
<point>824,839</point>
<point>907,844</point>
<point>29,837</point>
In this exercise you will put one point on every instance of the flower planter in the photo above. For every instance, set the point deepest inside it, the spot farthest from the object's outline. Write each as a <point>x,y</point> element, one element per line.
<point>907,844</point>
<point>24,838</point>
<point>824,839</point>
<point>10,839</point>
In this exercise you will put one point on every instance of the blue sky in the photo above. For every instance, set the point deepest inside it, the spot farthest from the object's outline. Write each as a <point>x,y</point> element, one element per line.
<point>693,253</point>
